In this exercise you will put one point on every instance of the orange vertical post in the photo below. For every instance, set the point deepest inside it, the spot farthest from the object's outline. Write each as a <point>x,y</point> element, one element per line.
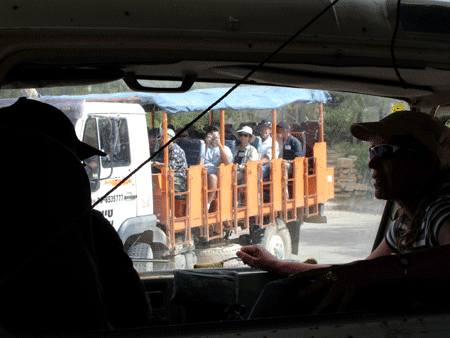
<point>274,134</point>
<point>321,121</point>
<point>153,117</point>
<point>222,127</point>
<point>211,117</point>
<point>165,139</point>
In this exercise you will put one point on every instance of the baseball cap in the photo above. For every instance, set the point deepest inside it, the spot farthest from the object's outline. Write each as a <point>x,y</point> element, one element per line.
<point>284,125</point>
<point>423,128</point>
<point>265,124</point>
<point>212,127</point>
<point>43,118</point>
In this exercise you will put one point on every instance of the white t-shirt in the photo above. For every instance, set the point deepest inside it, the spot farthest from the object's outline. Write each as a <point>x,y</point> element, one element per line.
<point>212,156</point>
<point>266,148</point>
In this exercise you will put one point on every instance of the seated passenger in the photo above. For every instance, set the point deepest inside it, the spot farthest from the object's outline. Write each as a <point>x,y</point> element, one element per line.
<point>291,146</point>
<point>265,130</point>
<point>409,156</point>
<point>215,155</point>
<point>81,276</point>
<point>184,135</point>
<point>154,135</point>
<point>189,149</point>
<point>245,153</point>
<point>177,162</point>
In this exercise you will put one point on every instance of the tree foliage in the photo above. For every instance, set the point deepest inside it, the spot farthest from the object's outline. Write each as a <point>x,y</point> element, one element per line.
<point>343,109</point>
<point>346,109</point>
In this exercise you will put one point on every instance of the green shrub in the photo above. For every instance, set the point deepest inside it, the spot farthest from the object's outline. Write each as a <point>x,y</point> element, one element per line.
<point>358,149</point>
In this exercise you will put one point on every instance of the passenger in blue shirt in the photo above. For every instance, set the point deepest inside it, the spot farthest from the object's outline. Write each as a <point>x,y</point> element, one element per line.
<point>290,145</point>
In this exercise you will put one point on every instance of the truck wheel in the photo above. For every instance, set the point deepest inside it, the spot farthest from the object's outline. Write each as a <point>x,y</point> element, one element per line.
<point>141,250</point>
<point>216,255</point>
<point>277,241</point>
<point>191,259</point>
<point>321,209</point>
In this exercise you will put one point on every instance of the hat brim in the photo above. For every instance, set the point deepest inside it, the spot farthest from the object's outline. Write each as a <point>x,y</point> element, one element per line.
<point>85,151</point>
<point>366,131</point>
<point>245,131</point>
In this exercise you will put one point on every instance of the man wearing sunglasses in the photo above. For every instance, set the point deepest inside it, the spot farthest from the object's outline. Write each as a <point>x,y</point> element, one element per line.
<point>246,152</point>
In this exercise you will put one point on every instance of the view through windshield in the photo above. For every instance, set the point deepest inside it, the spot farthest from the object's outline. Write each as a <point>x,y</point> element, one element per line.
<point>189,207</point>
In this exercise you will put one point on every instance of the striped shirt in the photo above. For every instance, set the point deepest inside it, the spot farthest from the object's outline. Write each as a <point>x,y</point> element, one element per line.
<point>435,216</point>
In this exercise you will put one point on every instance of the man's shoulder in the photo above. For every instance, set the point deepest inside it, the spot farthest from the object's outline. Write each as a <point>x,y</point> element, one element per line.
<point>293,140</point>
<point>251,148</point>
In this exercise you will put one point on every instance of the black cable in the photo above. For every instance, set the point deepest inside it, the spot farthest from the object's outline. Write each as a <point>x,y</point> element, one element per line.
<point>394,36</point>
<point>61,230</point>
<point>220,99</point>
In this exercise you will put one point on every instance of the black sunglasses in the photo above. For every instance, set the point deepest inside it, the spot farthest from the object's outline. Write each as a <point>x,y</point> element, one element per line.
<point>384,150</point>
<point>245,135</point>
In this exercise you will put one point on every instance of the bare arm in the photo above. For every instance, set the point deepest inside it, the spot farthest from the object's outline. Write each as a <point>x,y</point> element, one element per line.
<point>265,160</point>
<point>224,157</point>
<point>348,279</point>
<point>382,250</point>
<point>256,256</point>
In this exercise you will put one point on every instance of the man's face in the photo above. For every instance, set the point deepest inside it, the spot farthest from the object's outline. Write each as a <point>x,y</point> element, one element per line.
<point>282,132</point>
<point>152,140</point>
<point>212,135</point>
<point>265,132</point>
<point>398,176</point>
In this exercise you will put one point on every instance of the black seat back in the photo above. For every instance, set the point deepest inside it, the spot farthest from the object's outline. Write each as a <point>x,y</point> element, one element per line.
<point>231,144</point>
<point>192,148</point>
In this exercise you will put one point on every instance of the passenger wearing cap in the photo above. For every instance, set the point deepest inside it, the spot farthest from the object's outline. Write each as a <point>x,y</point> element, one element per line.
<point>291,146</point>
<point>245,153</point>
<point>121,290</point>
<point>410,160</point>
<point>265,131</point>
<point>154,135</point>
<point>177,162</point>
<point>216,153</point>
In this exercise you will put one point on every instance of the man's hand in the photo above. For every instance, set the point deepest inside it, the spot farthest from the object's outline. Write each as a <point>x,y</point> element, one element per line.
<point>346,281</point>
<point>256,256</point>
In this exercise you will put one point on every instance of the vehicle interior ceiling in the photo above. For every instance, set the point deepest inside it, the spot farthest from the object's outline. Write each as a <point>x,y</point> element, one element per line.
<point>417,75</point>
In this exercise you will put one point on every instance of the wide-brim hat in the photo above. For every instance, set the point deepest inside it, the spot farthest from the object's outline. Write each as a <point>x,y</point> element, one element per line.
<point>426,129</point>
<point>247,130</point>
<point>46,119</point>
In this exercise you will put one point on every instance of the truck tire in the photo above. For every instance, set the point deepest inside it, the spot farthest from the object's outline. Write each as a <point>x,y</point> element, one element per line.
<point>216,255</point>
<point>191,259</point>
<point>141,250</point>
<point>277,240</point>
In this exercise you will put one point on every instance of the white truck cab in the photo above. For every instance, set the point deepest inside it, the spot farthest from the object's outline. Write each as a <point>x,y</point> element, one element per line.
<point>113,127</point>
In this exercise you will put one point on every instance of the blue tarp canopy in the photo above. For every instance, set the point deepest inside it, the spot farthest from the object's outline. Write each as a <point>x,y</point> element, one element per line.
<point>244,97</point>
